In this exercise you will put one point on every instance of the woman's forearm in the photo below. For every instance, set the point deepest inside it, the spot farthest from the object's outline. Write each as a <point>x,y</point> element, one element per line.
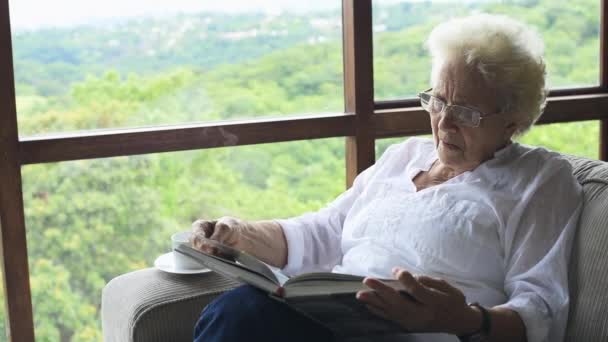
<point>265,240</point>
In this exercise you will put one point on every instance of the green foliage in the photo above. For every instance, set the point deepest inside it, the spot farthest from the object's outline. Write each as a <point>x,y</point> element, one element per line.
<point>570,32</point>
<point>48,59</point>
<point>576,138</point>
<point>73,315</point>
<point>89,221</point>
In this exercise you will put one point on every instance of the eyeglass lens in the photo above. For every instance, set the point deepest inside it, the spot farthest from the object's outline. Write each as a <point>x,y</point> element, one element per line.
<point>459,114</point>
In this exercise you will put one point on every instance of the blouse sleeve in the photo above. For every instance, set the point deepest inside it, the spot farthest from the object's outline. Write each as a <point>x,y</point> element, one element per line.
<point>537,243</point>
<point>313,239</point>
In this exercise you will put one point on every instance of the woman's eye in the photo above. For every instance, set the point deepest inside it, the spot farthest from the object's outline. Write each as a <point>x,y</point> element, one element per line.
<point>436,106</point>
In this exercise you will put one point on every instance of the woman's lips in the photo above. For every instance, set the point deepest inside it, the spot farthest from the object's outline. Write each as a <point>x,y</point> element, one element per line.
<point>450,146</point>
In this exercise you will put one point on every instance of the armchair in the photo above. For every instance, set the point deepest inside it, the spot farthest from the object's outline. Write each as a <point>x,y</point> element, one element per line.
<point>149,305</point>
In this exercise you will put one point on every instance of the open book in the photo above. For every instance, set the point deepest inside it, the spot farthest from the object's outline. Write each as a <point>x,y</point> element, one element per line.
<point>328,298</point>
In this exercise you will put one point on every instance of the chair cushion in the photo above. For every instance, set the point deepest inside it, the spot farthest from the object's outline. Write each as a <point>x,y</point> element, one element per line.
<point>588,273</point>
<point>153,306</point>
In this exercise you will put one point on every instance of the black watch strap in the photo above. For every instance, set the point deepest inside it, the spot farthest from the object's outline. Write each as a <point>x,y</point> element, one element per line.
<point>486,325</point>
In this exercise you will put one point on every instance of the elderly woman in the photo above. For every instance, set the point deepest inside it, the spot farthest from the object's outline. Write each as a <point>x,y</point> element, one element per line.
<point>477,228</point>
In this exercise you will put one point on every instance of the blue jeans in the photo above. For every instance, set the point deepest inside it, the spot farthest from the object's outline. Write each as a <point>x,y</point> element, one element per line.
<point>248,314</point>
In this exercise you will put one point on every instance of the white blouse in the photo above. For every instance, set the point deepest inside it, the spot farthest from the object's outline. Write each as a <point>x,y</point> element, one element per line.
<point>501,233</point>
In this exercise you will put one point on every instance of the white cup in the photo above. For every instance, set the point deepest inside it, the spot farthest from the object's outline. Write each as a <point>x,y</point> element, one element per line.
<point>181,261</point>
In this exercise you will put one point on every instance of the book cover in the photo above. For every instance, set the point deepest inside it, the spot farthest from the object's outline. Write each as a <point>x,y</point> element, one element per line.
<point>328,298</point>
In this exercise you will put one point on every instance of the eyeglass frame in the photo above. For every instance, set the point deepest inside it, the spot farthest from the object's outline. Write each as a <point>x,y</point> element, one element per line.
<point>480,114</point>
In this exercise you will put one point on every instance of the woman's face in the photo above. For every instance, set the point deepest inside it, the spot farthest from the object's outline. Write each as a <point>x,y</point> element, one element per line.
<point>460,147</point>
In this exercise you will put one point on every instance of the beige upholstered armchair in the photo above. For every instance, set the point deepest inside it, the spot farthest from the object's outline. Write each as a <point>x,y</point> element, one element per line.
<point>149,305</point>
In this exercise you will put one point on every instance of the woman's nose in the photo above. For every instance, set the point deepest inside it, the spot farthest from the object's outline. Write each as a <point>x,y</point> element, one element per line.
<point>446,121</point>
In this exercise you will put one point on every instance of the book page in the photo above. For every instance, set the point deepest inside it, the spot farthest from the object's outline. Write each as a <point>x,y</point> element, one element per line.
<point>247,260</point>
<point>281,277</point>
<point>232,268</point>
<point>324,276</point>
<point>328,284</point>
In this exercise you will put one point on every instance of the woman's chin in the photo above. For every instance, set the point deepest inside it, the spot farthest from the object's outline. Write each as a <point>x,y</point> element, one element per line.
<point>449,156</point>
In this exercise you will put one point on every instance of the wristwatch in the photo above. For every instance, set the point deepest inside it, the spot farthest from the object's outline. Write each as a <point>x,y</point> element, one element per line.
<point>483,333</point>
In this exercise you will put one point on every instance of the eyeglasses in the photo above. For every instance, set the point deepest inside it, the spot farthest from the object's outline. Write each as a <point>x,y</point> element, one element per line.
<point>460,115</point>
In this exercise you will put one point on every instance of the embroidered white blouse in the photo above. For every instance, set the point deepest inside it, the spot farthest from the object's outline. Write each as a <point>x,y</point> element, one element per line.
<point>501,233</point>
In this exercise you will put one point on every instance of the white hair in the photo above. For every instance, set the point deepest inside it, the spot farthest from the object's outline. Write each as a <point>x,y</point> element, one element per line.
<point>508,55</point>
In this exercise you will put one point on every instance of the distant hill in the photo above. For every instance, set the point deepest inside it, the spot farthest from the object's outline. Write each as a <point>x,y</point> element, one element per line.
<point>48,59</point>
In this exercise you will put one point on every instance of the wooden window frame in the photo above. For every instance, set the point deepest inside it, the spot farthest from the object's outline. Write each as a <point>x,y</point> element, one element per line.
<point>362,122</point>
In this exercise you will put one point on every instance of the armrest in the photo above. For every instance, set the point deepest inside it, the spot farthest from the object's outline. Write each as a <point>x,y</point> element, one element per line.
<point>151,305</point>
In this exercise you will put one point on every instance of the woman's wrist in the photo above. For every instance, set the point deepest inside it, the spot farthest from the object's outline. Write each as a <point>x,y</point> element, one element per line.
<point>471,321</point>
<point>265,240</point>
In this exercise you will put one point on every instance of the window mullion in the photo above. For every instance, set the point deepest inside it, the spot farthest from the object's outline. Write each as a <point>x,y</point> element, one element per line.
<point>18,300</point>
<point>358,84</point>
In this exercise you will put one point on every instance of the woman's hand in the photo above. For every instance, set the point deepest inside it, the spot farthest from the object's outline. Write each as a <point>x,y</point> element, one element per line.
<point>422,304</point>
<point>263,239</point>
<point>226,230</point>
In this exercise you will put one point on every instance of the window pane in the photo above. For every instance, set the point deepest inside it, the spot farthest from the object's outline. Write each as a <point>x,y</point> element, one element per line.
<point>577,138</point>
<point>570,30</point>
<point>89,221</point>
<point>383,144</point>
<point>110,64</point>
<point>557,137</point>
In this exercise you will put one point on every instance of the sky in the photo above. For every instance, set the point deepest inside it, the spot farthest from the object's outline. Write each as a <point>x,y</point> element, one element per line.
<point>33,14</point>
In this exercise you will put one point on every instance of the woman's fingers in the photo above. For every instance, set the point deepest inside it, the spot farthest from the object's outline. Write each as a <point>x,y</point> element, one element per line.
<point>221,231</point>
<point>209,236</point>
<point>370,297</point>
<point>439,284</point>
<point>415,289</point>
<point>204,227</point>
<point>197,240</point>
<point>380,291</point>
<point>202,230</point>
<point>390,298</point>
<point>206,246</point>
<point>209,249</point>
<point>388,303</point>
<point>416,303</point>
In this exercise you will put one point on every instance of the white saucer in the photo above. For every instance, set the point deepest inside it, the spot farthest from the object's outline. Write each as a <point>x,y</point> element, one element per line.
<point>165,263</point>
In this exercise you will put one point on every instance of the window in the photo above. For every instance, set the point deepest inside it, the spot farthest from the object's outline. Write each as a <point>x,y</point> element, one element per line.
<point>570,31</point>
<point>126,83</point>
<point>557,137</point>
<point>576,138</point>
<point>115,64</point>
<point>90,221</point>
